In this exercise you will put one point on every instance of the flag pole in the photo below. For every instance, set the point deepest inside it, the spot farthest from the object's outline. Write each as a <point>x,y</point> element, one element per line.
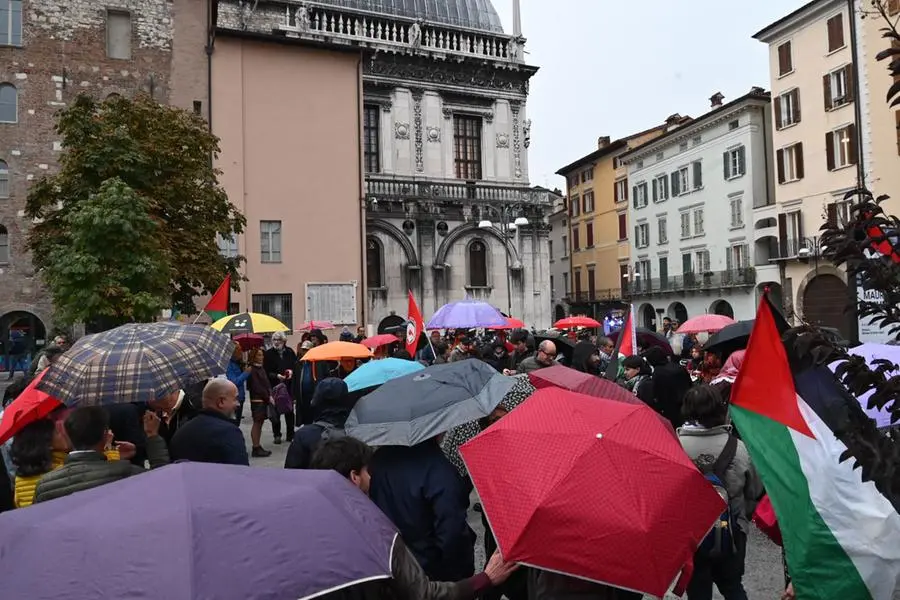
<point>197,318</point>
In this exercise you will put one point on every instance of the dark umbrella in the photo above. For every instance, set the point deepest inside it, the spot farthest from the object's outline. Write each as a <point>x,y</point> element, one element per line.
<point>417,407</point>
<point>137,362</point>
<point>180,531</point>
<point>731,338</point>
<point>647,338</point>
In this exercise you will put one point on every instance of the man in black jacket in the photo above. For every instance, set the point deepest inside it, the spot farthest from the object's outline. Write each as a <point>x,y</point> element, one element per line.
<point>279,361</point>
<point>331,404</point>
<point>212,436</point>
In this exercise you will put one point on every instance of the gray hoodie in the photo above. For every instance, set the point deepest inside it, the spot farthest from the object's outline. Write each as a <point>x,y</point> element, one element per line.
<point>744,487</point>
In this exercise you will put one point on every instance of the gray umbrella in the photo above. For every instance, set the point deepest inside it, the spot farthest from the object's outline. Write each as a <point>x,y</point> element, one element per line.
<point>409,410</point>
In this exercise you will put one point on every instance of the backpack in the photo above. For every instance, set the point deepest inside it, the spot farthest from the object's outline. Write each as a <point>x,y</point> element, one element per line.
<point>329,432</point>
<point>719,542</point>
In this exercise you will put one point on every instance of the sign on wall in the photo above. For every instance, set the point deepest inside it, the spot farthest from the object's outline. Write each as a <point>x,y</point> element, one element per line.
<point>334,302</point>
<point>870,332</point>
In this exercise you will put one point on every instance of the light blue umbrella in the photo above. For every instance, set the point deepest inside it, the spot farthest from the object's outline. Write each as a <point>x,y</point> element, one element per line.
<point>377,372</point>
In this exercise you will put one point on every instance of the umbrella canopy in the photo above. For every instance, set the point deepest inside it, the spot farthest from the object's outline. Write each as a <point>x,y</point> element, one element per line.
<point>185,528</point>
<point>137,362</point>
<point>382,339</point>
<point>733,337</point>
<point>337,351</point>
<point>647,338</point>
<point>249,340</point>
<point>572,322</point>
<point>603,489</point>
<point>871,352</point>
<point>589,385</point>
<point>377,372</point>
<point>249,322</point>
<point>705,323</point>
<point>466,314</point>
<point>511,323</point>
<point>409,410</point>
<point>30,406</point>
<point>310,325</point>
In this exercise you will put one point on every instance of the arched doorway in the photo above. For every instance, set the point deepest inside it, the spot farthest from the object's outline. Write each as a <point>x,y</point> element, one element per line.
<point>22,327</point>
<point>389,322</point>
<point>824,300</point>
<point>560,312</point>
<point>678,312</point>
<point>722,307</point>
<point>647,317</point>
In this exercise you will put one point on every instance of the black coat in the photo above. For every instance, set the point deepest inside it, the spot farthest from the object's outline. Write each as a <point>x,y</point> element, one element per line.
<point>126,421</point>
<point>276,363</point>
<point>424,496</point>
<point>670,383</point>
<point>210,437</point>
<point>331,405</point>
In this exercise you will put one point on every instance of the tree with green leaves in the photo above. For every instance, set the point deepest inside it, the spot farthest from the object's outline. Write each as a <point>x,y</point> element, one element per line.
<point>160,158</point>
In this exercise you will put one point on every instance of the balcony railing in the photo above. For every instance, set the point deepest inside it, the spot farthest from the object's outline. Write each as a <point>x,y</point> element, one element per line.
<point>391,188</point>
<point>606,295</point>
<point>696,282</point>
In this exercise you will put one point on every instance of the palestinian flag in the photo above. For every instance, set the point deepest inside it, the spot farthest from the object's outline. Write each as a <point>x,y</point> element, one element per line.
<point>217,307</point>
<point>841,535</point>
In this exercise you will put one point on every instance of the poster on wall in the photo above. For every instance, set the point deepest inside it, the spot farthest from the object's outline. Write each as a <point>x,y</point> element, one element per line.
<point>870,332</point>
<point>333,302</point>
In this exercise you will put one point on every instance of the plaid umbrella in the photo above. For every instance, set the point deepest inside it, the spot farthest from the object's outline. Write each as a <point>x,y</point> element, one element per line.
<point>137,362</point>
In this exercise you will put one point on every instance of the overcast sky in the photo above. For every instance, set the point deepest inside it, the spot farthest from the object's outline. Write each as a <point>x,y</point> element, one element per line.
<point>614,68</point>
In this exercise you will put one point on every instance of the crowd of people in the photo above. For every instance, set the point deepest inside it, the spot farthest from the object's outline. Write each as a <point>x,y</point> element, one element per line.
<point>419,488</point>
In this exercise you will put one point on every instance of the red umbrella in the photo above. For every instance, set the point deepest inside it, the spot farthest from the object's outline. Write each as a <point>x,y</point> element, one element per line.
<point>511,323</point>
<point>605,495</point>
<point>575,381</point>
<point>249,340</point>
<point>706,323</point>
<point>571,322</point>
<point>310,325</point>
<point>382,339</point>
<point>30,406</point>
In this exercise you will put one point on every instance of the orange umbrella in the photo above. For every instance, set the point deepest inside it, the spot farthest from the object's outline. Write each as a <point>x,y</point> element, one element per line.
<point>337,351</point>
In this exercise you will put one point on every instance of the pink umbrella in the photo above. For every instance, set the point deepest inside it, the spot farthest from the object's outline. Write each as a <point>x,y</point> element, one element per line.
<point>377,341</point>
<point>705,323</point>
<point>310,325</point>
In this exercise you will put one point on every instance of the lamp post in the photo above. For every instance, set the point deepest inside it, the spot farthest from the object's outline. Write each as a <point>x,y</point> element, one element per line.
<point>505,227</point>
<point>812,246</point>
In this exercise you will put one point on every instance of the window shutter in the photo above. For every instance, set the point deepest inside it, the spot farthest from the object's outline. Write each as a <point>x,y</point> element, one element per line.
<point>698,175</point>
<point>664,188</point>
<point>625,190</point>
<point>852,150</point>
<point>634,196</point>
<point>848,78</point>
<point>795,106</point>
<point>742,160</point>
<point>782,235</point>
<point>826,87</point>
<point>637,239</point>
<point>829,150</point>
<point>799,154</point>
<point>777,104</point>
<point>726,164</point>
<point>676,190</point>
<point>800,233</point>
<point>655,191</point>
<point>729,265</point>
<point>779,160</point>
<point>616,192</point>
<point>831,211</point>
<point>644,192</point>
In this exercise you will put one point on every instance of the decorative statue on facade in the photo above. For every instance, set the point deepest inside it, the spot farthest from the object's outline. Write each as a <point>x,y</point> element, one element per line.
<point>302,16</point>
<point>415,34</point>
<point>526,132</point>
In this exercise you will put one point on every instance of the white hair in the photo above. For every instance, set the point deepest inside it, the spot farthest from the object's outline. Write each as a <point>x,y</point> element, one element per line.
<point>279,335</point>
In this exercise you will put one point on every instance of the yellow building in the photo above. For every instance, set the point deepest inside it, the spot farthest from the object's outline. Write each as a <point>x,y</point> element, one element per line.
<point>598,217</point>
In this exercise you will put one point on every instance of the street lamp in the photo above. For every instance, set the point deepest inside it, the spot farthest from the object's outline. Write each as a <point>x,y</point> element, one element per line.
<point>812,246</point>
<point>505,226</point>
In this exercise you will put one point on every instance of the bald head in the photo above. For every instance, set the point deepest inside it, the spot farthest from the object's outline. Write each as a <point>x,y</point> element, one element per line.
<point>220,395</point>
<point>546,353</point>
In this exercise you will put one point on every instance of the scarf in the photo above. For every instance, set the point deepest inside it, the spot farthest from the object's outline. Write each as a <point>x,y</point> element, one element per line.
<point>731,368</point>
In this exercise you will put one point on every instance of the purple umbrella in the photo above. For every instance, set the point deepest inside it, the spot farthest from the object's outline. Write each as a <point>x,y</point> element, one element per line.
<point>872,352</point>
<point>200,532</point>
<point>466,314</point>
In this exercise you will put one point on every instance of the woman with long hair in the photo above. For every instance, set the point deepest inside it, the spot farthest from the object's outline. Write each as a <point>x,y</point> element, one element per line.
<point>260,390</point>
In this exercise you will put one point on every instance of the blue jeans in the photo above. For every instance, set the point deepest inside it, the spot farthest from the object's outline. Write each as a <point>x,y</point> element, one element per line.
<point>726,573</point>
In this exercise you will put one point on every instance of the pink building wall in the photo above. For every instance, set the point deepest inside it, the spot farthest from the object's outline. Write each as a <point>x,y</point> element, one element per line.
<point>289,122</point>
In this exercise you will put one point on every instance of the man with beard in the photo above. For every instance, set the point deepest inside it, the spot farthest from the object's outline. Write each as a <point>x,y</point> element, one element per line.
<point>212,436</point>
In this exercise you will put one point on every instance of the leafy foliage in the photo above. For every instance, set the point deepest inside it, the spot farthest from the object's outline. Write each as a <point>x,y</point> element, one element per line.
<point>113,269</point>
<point>159,154</point>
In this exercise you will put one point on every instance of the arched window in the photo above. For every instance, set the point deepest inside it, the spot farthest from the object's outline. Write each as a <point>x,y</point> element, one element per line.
<point>374,263</point>
<point>4,179</point>
<point>9,103</point>
<point>478,264</point>
<point>4,246</point>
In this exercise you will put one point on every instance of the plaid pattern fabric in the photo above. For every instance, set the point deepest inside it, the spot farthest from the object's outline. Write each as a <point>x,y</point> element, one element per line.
<point>136,363</point>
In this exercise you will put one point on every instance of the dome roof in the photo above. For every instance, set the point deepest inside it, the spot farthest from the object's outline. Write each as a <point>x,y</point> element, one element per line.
<point>472,14</point>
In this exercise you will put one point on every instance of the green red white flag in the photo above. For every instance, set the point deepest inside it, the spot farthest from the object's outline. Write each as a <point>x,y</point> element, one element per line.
<point>841,535</point>
<point>217,307</point>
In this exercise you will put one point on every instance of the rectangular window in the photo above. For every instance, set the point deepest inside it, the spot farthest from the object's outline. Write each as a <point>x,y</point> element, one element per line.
<point>576,243</point>
<point>737,212</point>
<point>680,182</point>
<point>734,125</point>
<point>682,147</point>
<point>589,234</point>
<point>575,206</point>
<point>663,227</point>
<point>228,247</point>
<point>592,284</point>
<point>785,59</point>
<point>372,138</point>
<point>661,188</point>
<point>789,162</point>
<point>837,87</point>
<point>566,284</point>
<point>467,147</point>
<point>623,226</point>
<point>588,175</point>
<point>588,201</point>
<point>565,244</point>
<point>621,190</point>
<point>787,109</point>
<point>735,162</point>
<point>698,222</point>
<point>696,140</point>
<point>577,276</point>
<point>835,27</point>
<point>697,168</point>
<point>550,248</point>
<point>642,235</point>
<point>639,194</point>
<point>280,306</point>
<point>10,22</point>
<point>840,147</point>
<point>270,241</point>
<point>701,261</point>
<point>573,181</point>
<point>663,272</point>
<point>738,257</point>
<point>118,34</point>
<point>685,225</point>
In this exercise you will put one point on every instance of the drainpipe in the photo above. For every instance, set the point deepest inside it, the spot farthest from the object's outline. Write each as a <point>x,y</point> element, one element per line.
<point>210,40</point>
<point>362,208</point>
<point>852,292</point>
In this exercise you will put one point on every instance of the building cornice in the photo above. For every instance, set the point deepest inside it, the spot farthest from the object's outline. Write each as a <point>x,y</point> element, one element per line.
<point>800,18</point>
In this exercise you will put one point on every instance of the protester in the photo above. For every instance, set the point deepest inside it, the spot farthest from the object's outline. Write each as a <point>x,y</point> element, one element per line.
<point>545,357</point>
<point>126,421</point>
<point>87,466</point>
<point>427,354</point>
<point>47,356</point>
<point>586,358</point>
<point>422,494</point>
<point>351,458</point>
<point>707,438</point>
<point>670,383</point>
<point>442,352</point>
<point>463,350</point>
<point>332,405</point>
<point>607,349</point>
<point>212,436</point>
<point>519,341</point>
<point>637,378</point>
<point>279,361</point>
<point>238,373</point>
<point>260,390</point>
<point>307,374</point>
<point>497,357</point>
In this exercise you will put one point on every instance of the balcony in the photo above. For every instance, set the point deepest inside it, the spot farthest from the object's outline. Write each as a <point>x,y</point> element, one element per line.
<point>693,282</point>
<point>607,295</point>
<point>397,189</point>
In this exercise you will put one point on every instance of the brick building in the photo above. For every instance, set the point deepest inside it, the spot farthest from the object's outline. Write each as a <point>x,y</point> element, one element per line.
<point>51,51</point>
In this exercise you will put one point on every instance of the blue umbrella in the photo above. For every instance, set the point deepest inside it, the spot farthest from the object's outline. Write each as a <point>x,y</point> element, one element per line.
<point>201,532</point>
<point>377,372</point>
